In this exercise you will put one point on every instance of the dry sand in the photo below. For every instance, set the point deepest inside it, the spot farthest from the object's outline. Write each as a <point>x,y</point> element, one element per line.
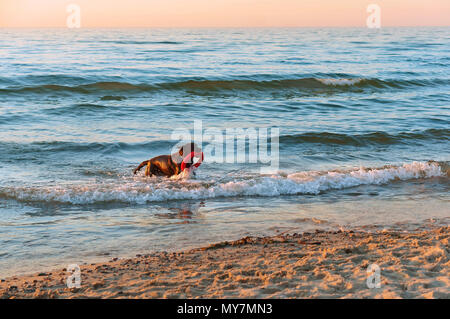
<point>310,265</point>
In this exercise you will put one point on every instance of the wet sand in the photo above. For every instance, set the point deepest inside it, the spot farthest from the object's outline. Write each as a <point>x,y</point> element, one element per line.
<point>310,265</point>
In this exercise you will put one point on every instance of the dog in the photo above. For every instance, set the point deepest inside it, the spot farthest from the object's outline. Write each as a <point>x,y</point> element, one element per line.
<point>169,165</point>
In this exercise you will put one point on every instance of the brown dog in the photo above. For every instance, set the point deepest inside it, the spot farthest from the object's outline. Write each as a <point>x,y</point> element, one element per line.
<point>168,165</point>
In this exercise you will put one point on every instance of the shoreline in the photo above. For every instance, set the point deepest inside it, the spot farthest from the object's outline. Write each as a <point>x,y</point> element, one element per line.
<point>320,264</point>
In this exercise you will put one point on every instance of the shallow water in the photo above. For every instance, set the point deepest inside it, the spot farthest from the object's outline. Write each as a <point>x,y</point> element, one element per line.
<point>364,135</point>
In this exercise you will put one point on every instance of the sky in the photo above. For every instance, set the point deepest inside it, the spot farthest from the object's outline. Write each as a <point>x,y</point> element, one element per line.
<point>223,13</point>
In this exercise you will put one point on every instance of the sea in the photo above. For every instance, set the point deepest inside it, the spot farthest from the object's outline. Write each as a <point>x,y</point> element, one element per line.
<point>361,119</point>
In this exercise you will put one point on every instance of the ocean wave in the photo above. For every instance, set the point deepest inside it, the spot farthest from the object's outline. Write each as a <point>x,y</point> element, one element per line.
<point>10,149</point>
<point>138,42</point>
<point>140,190</point>
<point>75,109</point>
<point>375,138</point>
<point>112,98</point>
<point>324,138</point>
<point>241,84</point>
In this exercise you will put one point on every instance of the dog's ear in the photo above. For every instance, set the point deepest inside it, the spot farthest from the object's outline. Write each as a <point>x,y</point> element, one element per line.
<point>188,148</point>
<point>184,149</point>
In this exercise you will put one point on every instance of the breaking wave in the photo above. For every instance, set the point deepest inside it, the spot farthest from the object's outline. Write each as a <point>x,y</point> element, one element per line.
<point>140,190</point>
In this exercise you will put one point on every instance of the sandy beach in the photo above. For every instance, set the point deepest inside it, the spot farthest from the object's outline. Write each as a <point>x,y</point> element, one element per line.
<point>310,265</point>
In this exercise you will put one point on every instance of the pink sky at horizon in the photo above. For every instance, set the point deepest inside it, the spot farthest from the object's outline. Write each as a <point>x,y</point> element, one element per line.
<point>223,13</point>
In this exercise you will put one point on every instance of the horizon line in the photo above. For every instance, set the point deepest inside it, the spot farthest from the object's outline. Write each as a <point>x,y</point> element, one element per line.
<point>220,27</point>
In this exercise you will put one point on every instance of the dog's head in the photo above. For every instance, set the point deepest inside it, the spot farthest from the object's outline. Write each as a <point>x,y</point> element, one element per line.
<point>186,149</point>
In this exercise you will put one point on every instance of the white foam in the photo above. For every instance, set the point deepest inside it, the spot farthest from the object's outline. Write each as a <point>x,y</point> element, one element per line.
<point>341,81</point>
<point>142,190</point>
